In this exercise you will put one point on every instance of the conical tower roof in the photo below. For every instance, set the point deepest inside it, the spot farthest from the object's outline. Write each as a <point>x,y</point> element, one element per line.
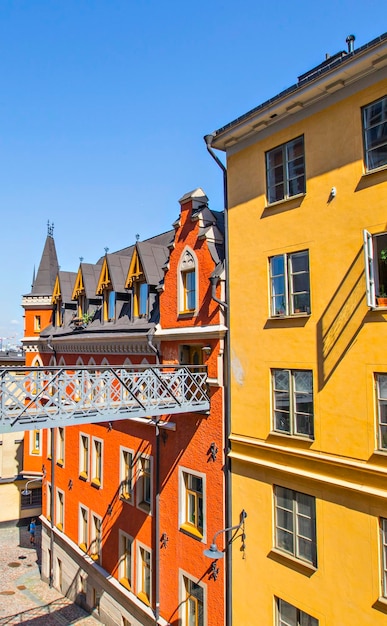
<point>44,281</point>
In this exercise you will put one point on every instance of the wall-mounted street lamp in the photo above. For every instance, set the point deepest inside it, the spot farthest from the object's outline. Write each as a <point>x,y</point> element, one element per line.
<point>213,552</point>
<point>26,491</point>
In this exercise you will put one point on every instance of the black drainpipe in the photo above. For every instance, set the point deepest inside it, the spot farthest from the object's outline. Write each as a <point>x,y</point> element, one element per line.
<point>156,539</point>
<point>227,378</point>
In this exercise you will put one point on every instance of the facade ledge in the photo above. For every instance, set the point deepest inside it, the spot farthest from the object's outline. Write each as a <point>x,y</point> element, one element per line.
<point>217,331</point>
<point>291,561</point>
<point>381,604</point>
<point>296,198</point>
<point>366,478</point>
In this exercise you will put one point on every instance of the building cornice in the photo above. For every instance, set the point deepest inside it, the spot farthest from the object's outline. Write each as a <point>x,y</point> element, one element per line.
<point>37,301</point>
<point>217,331</point>
<point>359,476</point>
<point>365,61</point>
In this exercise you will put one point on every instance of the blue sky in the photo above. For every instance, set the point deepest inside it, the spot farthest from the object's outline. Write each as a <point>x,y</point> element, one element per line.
<point>104,104</point>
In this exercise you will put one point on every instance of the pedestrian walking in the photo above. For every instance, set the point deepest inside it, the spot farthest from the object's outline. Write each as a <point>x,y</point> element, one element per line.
<point>32,529</point>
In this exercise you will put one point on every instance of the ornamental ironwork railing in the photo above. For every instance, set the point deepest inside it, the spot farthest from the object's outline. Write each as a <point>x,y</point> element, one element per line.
<point>41,397</point>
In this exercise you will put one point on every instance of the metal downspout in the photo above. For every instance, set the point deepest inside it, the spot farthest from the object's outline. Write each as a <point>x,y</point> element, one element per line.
<point>52,511</point>
<point>157,500</point>
<point>227,378</point>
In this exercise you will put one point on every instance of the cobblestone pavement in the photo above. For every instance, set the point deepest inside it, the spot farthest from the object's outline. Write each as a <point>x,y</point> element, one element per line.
<point>24,597</point>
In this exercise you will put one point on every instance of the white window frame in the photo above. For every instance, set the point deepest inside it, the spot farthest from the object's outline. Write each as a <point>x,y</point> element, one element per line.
<point>96,470</point>
<point>141,594</point>
<point>285,166</point>
<point>60,446</point>
<point>184,522</point>
<point>188,263</point>
<point>294,397</point>
<point>84,457</point>
<point>381,401</point>
<point>299,618</point>
<point>126,481</point>
<point>297,516</point>
<point>59,509</point>
<point>48,500</point>
<point>383,555</point>
<point>36,441</point>
<point>288,303</point>
<point>49,442</point>
<point>95,537</point>
<point>141,503</point>
<point>83,527</point>
<point>183,604</point>
<point>366,128</point>
<point>125,567</point>
<point>372,274</point>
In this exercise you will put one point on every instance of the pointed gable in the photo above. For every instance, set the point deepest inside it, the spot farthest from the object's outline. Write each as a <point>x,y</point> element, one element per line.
<point>63,288</point>
<point>86,281</point>
<point>147,263</point>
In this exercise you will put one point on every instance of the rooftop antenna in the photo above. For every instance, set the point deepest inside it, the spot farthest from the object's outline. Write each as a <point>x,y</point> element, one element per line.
<point>106,250</point>
<point>50,229</point>
<point>80,259</point>
<point>137,237</point>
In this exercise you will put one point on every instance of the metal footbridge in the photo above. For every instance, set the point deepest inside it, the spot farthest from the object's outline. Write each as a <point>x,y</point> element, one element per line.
<point>41,397</point>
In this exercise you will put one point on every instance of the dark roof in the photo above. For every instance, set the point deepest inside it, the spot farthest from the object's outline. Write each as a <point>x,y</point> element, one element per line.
<point>118,270</point>
<point>44,282</point>
<point>90,275</point>
<point>338,59</point>
<point>153,258</point>
<point>66,282</point>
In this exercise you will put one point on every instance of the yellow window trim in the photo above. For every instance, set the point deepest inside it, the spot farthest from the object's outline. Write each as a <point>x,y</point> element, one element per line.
<point>143,597</point>
<point>96,482</point>
<point>125,583</point>
<point>192,530</point>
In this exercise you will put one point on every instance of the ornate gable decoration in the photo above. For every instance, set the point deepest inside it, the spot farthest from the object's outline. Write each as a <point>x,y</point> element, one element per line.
<point>79,289</point>
<point>56,294</point>
<point>104,278</point>
<point>135,272</point>
<point>187,262</point>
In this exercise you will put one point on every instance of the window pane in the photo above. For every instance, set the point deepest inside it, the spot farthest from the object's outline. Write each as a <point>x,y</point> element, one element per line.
<point>287,613</point>
<point>303,380</point>
<point>285,541</point>
<point>284,498</point>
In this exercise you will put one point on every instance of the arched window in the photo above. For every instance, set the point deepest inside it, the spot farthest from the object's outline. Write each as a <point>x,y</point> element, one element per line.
<point>187,283</point>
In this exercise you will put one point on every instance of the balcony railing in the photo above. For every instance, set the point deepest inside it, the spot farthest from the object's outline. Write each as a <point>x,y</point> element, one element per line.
<point>34,398</point>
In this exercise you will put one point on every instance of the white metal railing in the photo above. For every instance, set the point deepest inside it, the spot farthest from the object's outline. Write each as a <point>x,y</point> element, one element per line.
<point>40,397</point>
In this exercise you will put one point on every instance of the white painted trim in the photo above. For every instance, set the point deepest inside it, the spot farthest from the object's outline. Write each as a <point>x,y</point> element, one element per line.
<point>217,331</point>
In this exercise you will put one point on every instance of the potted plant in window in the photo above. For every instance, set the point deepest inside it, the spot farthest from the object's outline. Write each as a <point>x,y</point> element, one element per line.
<point>381,298</point>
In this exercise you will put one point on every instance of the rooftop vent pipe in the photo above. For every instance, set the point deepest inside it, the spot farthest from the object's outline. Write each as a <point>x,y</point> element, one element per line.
<point>350,41</point>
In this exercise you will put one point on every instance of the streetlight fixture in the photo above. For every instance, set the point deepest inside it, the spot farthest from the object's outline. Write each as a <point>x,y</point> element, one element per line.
<point>26,491</point>
<point>213,552</point>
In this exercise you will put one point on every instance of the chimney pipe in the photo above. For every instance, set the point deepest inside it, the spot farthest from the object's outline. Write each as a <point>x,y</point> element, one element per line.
<point>350,41</point>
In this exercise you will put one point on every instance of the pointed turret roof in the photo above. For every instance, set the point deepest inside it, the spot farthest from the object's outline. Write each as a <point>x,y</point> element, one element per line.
<point>44,281</point>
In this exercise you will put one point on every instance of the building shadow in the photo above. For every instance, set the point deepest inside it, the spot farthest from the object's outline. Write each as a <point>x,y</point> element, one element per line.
<point>341,321</point>
<point>58,611</point>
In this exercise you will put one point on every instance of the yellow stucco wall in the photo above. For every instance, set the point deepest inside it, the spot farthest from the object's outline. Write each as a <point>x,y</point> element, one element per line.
<point>342,342</point>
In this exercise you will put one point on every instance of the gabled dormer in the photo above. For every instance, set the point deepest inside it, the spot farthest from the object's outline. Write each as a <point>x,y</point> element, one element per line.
<point>79,294</point>
<point>84,291</point>
<point>62,298</point>
<point>145,276</point>
<point>136,281</point>
<point>112,287</point>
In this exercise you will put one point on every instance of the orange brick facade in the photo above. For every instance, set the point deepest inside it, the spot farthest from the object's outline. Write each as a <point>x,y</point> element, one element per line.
<point>195,445</point>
